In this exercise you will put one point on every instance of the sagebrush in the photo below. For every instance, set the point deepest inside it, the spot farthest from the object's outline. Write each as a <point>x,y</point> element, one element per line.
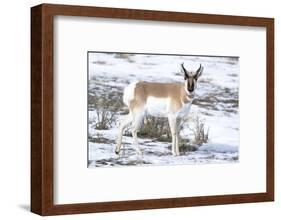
<point>200,132</point>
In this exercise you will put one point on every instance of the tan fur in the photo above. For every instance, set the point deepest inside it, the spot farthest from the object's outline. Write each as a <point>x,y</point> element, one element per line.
<point>174,91</point>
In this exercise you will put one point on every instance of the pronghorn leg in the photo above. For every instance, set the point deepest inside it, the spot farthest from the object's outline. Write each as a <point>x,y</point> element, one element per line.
<point>127,120</point>
<point>177,143</point>
<point>173,126</point>
<point>138,116</point>
<point>177,139</point>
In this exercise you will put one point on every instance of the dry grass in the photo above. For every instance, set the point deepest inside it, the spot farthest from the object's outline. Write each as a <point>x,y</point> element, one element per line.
<point>200,132</point>
<point>105,112</point>
<point>153,127</point>
<point>127,57</point>
<point>156,128</point>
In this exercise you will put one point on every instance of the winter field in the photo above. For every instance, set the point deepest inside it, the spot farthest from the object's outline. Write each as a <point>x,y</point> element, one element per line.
<point>210,133</point>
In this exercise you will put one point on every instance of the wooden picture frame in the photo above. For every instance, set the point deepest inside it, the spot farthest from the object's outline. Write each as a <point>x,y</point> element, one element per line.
<point>42,120</point>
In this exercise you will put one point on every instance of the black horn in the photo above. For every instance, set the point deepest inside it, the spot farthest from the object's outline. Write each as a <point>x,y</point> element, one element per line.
<point>184,71</point>
<point>199,71</point>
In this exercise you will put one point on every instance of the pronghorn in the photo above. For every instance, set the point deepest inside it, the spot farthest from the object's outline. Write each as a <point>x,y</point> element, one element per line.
<point>176,98</point>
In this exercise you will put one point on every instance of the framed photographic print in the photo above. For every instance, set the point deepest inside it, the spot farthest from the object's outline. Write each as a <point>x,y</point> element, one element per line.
<point>138,109</point>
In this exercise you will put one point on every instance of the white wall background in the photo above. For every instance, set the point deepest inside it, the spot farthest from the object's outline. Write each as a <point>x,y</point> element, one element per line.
<point>15,110</point>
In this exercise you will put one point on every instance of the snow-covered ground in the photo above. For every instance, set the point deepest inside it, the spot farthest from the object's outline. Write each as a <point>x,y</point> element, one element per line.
<point>216,103</point>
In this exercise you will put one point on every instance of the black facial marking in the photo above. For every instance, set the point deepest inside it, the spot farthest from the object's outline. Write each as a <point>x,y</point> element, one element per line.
<point>191,88</point>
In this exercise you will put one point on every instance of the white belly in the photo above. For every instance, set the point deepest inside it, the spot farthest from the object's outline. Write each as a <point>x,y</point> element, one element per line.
<point>158,107</point>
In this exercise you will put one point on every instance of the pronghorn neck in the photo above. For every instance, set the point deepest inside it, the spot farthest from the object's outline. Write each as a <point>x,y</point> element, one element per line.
<point>189,96</point>
<point>186,97</point>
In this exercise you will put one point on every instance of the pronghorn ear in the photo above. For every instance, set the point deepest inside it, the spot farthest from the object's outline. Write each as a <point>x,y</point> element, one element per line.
<point>199,72</point>
<point>185,74</point>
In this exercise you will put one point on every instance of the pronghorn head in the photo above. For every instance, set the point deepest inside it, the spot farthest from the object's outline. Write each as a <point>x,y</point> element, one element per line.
<point>190,78</point>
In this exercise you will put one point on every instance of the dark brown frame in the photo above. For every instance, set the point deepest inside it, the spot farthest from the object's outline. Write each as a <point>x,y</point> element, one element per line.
<point>42,108</point>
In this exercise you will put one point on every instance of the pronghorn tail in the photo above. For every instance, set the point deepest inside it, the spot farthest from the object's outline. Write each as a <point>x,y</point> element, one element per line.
<point>129,93</point>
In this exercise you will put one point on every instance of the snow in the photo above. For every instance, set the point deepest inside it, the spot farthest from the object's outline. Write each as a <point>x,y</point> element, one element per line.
<point>159,154</point>
<point>216,102</point>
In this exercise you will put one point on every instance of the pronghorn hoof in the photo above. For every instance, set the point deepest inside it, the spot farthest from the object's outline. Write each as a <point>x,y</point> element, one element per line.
<point>176,154</point>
